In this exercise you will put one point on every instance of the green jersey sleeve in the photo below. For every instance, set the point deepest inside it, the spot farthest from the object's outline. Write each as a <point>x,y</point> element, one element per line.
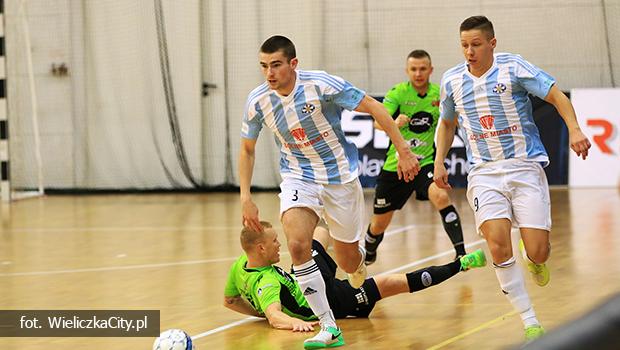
<point>231,287</point>
<point>391,101</point>
<point>267,292</point>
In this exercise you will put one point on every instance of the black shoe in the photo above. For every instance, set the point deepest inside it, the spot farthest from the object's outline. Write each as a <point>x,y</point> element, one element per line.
<point>370,258</point>
<point>371,248</point>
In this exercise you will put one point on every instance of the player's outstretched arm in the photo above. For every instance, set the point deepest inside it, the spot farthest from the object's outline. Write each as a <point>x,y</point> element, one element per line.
<point>400,121</point>
<point>240,305</point>
<point>280,320</point>
<point>579,142</point>
<point>249,210</point>
<point>445,136</point>
<point>408,166</point>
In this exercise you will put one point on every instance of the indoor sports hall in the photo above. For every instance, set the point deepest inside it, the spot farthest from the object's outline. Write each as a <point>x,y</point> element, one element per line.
<point>120,132</point>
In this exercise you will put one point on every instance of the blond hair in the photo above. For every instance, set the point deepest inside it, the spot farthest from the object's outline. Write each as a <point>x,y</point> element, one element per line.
<point>249,237</point>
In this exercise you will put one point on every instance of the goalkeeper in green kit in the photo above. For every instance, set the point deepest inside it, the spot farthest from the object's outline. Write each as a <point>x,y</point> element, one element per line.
<point>415,106</point>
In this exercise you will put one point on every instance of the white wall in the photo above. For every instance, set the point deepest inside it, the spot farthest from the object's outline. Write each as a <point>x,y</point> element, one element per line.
<point>106,126</point>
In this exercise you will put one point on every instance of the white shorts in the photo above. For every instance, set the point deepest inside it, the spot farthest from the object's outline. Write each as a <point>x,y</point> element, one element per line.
<point>341,205</point>
<point>513,189</point>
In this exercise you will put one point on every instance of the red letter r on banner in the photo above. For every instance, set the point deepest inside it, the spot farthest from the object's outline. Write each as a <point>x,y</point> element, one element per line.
<point>601,140</point>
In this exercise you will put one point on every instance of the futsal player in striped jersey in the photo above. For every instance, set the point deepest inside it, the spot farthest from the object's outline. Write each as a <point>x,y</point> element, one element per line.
<point>319,168</point>
<point>507,186</point>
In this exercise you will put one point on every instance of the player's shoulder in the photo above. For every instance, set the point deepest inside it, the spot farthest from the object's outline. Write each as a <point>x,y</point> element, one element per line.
<point>403,87</point>
<point>320,78</point>
<point>271,275</point>
<point>433,88</point>
<point>258,92</point>
<point>239,264</point>
<point>511,59</point>
<point>398,88</point>
<point>241,260</point>
<point>454,73</point>
<point>515,64</point>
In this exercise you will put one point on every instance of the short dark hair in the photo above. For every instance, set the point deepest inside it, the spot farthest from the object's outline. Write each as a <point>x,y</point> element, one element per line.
<point>478,22</point>
<point>419,54</point>
<point>250,237</point>
<point>279,43</point>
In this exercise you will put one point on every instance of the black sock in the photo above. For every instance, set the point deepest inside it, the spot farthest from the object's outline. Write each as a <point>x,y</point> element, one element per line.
<point>452,224</point>
<point>372,235</point>
<point>430,276</point>
<point>372,242</point>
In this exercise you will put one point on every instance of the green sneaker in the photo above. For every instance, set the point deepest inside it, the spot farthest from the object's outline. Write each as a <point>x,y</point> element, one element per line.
<point>539,272</point>
<point>473,260</point>
<point>534,332</point>
<point>328,337</point>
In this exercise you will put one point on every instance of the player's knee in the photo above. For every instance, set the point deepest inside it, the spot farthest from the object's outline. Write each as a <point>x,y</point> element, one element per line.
<point>440,198</point>
<point>499,250</point>
<point>538,254</point>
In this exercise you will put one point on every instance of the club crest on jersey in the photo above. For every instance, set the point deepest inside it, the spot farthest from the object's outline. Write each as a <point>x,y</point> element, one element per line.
<point>416,143</point>
<point>299,134</point>
<point>487,121</point>
<point>307,108</point>
<point>435,103</point>
<point>499,88</point>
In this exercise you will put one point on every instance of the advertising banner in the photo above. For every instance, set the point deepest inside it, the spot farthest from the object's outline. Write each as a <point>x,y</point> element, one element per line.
<point>599,120</point>
<point>372,145</point>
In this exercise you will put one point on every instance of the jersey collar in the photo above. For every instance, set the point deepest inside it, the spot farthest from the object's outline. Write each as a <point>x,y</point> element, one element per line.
<point>487,73</point>
<point>292,94</point>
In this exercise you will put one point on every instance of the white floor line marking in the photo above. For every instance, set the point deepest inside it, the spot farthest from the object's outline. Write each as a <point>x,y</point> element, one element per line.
<point>158,229</point>
<point>417,262</point>
<point>119,229</point>
<point>225,327</point>
<point>149,266</point>
<point>116,268</point>
<point>432,257</point>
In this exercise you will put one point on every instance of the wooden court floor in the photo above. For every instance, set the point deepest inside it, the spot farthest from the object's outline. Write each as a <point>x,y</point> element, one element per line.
<point>172,252</point>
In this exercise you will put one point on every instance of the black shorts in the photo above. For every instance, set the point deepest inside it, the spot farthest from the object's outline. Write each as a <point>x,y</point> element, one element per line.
<point>392,194</point>
<point>343,299</point>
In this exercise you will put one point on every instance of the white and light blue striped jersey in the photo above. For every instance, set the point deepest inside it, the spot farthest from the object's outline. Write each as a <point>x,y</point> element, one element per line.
<point>494,110</point>
<point>306,126</point>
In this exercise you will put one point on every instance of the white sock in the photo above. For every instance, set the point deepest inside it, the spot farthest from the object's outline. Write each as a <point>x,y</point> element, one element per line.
<point>362,255</point>
<point>312,285</point>
<point>511,281</point>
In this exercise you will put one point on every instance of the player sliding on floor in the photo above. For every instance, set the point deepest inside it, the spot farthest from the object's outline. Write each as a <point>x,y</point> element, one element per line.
<point>257,287</point>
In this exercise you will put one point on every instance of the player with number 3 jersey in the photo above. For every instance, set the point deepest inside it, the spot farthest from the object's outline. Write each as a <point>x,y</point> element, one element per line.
<point>318,168</point>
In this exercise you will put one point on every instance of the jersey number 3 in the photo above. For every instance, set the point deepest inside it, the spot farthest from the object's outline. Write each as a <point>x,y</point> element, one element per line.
<point>295,195</point>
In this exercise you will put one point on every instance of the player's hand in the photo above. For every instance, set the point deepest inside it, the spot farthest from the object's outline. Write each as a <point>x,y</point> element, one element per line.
<point>303,326</point>
<point>249,215</point>
<point>408,165</point>
<point>579,143</point>
<point>402,120</point>
<point>440,176</point>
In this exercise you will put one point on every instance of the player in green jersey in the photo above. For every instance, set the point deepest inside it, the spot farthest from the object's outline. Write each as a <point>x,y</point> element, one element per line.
<point>415,106</point>
<point>257,287</point>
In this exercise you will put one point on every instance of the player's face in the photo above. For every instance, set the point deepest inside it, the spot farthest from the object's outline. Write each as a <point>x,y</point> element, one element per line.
<point>271,246</point>
<point>478,50</point>
<point>419,71</point>
<point>278,71</point>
